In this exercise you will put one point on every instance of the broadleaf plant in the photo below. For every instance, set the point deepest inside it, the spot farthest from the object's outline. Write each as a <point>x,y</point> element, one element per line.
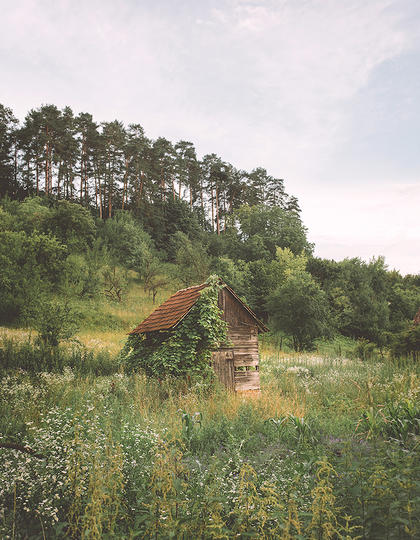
<point>187,349</point>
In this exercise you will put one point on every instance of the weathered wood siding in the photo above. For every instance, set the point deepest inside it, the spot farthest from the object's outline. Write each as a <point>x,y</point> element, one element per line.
<point>223,367</point>
<point>233,312</point>
<point>243,336</point>
<point>247,380</point>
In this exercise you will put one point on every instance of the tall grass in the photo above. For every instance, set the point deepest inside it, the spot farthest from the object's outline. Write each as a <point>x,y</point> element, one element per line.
<point>319,453</point>
<point>328,449</point>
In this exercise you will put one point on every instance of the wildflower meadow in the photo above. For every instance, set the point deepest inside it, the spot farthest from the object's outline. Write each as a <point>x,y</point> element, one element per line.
<point>328,449</point>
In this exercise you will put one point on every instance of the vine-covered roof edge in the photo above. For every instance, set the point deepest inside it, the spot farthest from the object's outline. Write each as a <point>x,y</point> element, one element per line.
<point>171,312</point>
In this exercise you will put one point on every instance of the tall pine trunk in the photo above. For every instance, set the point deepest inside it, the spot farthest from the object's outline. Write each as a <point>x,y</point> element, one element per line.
<point>47,174</point>
<point>124,195</point>
<point>86,181</point>
<point>37,177</point>
<point>212,210</point>
<point>110,189</point>
<point>217,211</point>
<point>82,165</point>
<point>162,184</point>
<point>59,176</point>
<point>141,185</point>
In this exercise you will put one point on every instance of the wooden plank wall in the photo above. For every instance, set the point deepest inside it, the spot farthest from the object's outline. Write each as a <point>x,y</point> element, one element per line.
<point>247,380</point>
<point>223,367</point>
<point>241,373</point>
<point>245,355</point>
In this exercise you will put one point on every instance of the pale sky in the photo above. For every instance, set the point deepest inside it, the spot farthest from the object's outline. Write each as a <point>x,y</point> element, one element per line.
<point>322,93</point>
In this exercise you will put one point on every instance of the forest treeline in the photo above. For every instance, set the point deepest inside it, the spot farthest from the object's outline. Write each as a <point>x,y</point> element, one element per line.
<point>111,166</point>
<point>84,203</point>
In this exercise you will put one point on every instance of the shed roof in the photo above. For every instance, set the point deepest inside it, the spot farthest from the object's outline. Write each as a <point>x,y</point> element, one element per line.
<point>173,310</point>
<point>168,314</point>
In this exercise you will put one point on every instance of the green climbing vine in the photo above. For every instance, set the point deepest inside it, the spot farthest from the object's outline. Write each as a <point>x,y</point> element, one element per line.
<point>187,349</point>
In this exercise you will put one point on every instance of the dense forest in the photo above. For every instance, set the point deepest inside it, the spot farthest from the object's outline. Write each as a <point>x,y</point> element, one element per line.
<point>82,204</point>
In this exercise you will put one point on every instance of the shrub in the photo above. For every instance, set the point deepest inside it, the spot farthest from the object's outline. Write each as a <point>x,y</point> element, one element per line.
<point>407,343</point>
<point>364,349</point>
<point>55,322</point>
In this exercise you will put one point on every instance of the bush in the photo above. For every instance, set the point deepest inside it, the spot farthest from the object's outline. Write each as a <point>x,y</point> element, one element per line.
<point>407,343</point>
<point>126,240</point>
<point>364,349</point>
<point>55,322</point>
<point>29,265</point>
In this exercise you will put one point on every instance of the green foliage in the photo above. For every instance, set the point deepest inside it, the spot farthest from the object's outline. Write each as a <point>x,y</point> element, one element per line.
<point>365,349</point>
<point>187,349</point>
<point>366,300</point>
<point>126,240</point>
<point>399,421</point>
<point>262,277</point>
<point>33,356</point>
<point>123,456</point>
<point>54,321</point>
<point>324,521</point>
<point>290,263</point>
<point>166,218</point>
<point>30,265</point>
<point>7,135</point>
<point>33,215</point>
<point>72,225</point>
<point>294,427</point>
<point>231,272</point>
<point>264,229</point>
<point>299,308</point>
<point>192,262</point>
<point>407,343</point>
<point>190,423</point>
<point>404,302</point>
<point>6,220</point>
<point>83,272</point>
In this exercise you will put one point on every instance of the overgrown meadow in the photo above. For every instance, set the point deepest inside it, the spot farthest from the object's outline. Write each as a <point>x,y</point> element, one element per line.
<point>329,449</point>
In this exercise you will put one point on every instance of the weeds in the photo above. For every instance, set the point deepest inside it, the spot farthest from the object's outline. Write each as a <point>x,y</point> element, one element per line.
<point>329,449</point>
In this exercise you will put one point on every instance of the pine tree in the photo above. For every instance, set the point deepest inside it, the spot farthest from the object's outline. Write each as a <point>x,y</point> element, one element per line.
<point>8,150</point>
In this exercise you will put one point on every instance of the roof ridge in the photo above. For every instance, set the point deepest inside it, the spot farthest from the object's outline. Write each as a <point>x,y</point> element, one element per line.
<point>169,314</point>
<point>192,287</point>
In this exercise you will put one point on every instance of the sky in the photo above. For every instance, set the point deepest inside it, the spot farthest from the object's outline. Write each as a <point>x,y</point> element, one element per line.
<point>322,93</point>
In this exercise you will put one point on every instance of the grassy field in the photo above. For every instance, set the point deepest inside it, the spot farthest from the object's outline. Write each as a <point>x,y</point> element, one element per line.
<point>328,449</point>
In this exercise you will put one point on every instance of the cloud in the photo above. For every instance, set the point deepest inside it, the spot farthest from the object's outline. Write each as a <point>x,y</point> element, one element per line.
<point>305,61</point>
<point>368,221</point>
<point>289,85</point>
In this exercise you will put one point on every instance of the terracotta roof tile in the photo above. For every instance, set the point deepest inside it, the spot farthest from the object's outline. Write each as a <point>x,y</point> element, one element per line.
<point>171,312</point>
<point>168,314</point>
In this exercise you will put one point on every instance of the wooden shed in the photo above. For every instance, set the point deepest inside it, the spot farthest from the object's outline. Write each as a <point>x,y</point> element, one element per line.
<point>236,363</point>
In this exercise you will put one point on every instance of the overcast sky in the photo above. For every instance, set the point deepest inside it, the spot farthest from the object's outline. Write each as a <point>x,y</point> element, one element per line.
<point>322,93</point>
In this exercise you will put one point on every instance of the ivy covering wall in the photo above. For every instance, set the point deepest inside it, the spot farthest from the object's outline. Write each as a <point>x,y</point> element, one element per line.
<point>187,349</point>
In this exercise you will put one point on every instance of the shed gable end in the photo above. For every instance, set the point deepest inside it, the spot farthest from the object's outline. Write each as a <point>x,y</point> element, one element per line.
<point>234,311</point>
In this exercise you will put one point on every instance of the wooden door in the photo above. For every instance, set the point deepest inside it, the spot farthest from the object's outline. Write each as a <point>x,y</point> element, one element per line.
<point>223,366</point>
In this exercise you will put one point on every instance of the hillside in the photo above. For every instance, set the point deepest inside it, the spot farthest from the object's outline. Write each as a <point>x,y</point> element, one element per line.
<point>91,447</point>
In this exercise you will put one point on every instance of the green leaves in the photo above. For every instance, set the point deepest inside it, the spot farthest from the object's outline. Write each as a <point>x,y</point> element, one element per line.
<point>299,308</point>
<point>185,350</point>
<point>30,266</point>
